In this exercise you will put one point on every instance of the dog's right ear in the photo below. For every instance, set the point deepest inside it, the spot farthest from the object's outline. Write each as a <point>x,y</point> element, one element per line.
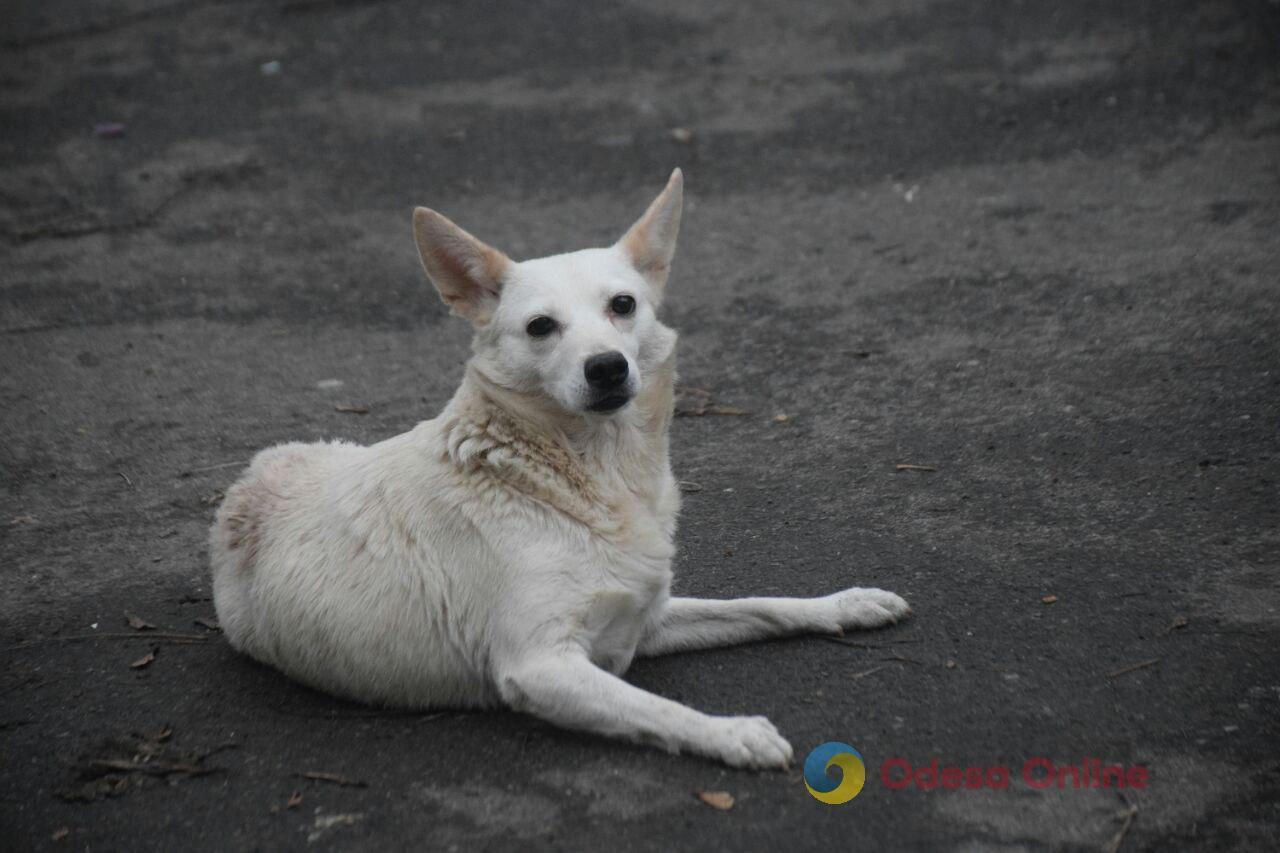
<point>467,272</point>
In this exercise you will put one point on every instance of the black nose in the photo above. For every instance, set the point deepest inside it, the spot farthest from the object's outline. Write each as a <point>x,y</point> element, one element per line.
<point>606,371</point>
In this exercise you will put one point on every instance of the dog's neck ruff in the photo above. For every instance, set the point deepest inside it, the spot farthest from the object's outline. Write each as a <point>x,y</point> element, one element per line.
<point>591,468</point>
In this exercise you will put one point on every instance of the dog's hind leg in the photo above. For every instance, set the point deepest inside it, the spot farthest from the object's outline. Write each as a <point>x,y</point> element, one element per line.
<point>688,624</point>
<point>565,688</point>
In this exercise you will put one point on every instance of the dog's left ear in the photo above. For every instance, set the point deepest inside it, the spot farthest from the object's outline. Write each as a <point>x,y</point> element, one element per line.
<point>651,242</point>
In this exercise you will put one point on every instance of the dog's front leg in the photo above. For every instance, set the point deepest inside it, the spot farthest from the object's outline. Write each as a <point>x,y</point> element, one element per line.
<point>702,623</point>
<point>565,688</point>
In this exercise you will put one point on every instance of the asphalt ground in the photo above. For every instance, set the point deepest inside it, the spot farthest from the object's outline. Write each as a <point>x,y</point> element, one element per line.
<point>1028,246</point>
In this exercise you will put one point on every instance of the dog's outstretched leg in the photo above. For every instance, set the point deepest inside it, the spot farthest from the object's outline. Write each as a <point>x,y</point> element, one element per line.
<point>702,623</point>
<point>565,688</point>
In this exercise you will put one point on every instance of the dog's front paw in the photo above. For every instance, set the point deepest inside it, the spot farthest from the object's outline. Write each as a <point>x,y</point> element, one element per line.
<point>749,742</point>
<point>867,608</point>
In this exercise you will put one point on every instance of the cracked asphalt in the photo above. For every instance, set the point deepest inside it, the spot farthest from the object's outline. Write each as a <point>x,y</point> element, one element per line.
<point>1029,246</point>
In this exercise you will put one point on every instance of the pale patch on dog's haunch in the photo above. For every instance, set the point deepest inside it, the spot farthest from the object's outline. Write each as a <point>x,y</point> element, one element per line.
<point>517,548</point>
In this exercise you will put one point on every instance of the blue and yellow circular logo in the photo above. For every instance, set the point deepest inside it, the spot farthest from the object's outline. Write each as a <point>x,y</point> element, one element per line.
<point>823,787</point>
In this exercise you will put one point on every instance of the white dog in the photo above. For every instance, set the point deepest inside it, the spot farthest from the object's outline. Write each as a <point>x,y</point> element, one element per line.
<point>516,549</point>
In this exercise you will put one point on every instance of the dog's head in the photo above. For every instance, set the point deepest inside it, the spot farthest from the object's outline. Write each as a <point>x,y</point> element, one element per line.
<point>579,328</point>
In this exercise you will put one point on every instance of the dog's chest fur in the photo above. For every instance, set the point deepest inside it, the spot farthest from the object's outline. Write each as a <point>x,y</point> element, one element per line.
<point>597,512</point>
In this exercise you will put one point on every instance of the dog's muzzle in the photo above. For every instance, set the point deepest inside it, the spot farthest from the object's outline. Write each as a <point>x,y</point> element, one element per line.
<point>606,376</point>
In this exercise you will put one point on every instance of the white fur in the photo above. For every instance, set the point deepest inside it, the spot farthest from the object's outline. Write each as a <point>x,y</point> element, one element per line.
<point>516,550</point>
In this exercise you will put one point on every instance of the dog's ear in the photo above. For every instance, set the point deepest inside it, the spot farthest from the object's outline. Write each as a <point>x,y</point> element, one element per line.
<point>651,242</point>
<point>467,272</point>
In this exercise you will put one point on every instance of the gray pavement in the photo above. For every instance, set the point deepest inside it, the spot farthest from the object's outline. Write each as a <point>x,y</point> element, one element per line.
<point>1031,245</point>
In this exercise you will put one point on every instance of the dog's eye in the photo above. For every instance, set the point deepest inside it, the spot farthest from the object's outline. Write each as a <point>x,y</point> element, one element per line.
<point>540,327</point>
<point>622,305</point>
